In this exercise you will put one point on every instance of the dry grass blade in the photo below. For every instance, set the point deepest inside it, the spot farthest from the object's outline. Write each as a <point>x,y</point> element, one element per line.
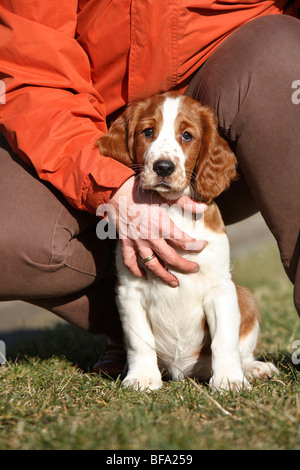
<point>67,383</point>
<point>209,397</point>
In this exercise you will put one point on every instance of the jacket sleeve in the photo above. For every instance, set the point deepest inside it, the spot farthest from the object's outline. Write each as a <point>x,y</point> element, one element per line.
<point>51,114</point>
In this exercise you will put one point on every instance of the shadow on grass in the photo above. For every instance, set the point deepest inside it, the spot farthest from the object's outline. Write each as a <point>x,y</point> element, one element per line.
<point>284,362</point>
<point>82,350</point>
<point>66,341</point>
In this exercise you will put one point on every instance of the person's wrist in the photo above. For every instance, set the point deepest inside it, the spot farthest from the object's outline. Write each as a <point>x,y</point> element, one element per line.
<point>123,191</point>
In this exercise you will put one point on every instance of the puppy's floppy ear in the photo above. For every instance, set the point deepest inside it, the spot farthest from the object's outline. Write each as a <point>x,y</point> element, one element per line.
<point>116,143</point>
<point>216,164</point>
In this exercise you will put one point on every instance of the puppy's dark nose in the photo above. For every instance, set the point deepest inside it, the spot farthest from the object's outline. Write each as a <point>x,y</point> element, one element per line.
<point>163,167</point>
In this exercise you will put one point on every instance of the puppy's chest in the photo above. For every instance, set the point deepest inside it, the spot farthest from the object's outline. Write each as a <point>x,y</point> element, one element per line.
<point>177,319</point>
<point>177,305</point>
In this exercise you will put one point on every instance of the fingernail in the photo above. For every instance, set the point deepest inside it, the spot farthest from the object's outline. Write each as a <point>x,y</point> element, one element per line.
<point>196,269</point>
<point>173,284</point>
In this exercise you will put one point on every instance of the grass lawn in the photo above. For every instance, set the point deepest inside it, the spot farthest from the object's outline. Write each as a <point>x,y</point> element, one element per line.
<point>50,399</point>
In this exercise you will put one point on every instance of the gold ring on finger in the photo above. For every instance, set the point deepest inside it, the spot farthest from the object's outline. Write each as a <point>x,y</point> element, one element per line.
<point>149,258</point>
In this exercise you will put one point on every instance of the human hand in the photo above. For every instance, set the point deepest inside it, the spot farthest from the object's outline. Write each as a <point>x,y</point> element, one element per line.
<point>153,232</point>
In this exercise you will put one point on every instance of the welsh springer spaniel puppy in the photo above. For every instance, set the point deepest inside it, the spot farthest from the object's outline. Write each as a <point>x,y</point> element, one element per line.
<point>207,327</point>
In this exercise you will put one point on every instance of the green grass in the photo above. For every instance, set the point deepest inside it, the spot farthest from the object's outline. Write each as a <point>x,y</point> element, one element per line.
<point>50,399</point>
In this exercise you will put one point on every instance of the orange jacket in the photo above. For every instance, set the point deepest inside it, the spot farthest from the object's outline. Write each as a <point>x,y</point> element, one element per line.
<point>69,64</point>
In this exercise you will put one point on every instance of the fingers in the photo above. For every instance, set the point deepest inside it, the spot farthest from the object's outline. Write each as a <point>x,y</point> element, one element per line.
<point>130,258</point>
<point>157,268</point>
<point>181,239</point>
<point>172,259</point>
<point>167,258</point>
<point>190,205</point>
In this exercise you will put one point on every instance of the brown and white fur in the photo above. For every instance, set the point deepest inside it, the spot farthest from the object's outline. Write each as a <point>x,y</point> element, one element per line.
<point>207,327</point>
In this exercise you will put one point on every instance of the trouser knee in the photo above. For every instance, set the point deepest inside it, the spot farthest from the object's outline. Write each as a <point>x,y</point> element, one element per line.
<point>262,57</point>
<point>48,249</point>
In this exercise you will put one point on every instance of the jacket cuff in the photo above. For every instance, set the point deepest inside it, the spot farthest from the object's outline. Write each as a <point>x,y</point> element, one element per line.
<point>102,182</point>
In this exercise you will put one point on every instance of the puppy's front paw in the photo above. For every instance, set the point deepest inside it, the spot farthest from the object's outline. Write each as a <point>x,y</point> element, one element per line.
<point>142,382</point>
<point>235,384</point>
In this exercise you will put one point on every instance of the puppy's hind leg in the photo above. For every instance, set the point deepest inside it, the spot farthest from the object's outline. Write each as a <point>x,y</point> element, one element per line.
<point>249,331</point>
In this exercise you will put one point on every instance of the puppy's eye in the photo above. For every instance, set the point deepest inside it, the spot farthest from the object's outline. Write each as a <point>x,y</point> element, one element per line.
<point>186,137</point>
<point>148,132</point>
